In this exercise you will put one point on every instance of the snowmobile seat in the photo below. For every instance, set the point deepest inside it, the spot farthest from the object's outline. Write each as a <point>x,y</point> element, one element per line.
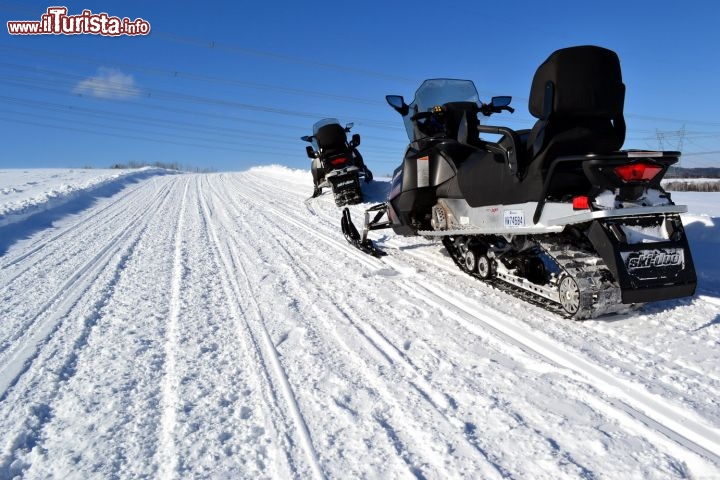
<point>518,145</point>
<point>577,95</point>
<point>461,122</point>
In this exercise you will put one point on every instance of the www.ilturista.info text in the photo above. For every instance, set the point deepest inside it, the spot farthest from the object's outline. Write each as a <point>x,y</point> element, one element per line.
<point>57,22</point>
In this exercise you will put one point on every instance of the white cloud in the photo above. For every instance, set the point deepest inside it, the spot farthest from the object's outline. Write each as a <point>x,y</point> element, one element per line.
<point>108,83</point>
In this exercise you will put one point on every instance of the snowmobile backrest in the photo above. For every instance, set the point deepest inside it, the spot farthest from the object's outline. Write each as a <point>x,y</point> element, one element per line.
<point>331,137</point>
<point>578,96</point>
<point>588,82</point>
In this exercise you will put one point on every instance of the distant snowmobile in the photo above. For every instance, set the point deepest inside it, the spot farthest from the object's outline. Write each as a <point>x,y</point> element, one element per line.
<point>336,163</point>
<point>558,215</point>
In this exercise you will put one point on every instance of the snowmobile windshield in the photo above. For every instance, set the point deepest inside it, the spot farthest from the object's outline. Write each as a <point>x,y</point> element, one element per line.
<point>325,121</point>
<point>435,92</point>
<point>328,133</point>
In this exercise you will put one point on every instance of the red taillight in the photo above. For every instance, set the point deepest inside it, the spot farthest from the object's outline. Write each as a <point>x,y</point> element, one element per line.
<point>581,203</point>
<point>637,172</point>
<point>338,161</point>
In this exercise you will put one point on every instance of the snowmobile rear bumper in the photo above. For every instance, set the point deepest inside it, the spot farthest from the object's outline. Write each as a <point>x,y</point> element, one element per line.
<point>345,185</point>
<point>647,271</point>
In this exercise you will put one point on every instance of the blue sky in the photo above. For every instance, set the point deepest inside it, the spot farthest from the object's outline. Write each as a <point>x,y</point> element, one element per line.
<point>228,85</point>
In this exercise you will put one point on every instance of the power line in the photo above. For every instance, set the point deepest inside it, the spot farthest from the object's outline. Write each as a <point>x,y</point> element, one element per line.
<point>263,86</point>
<point>177,124</point>
<point>51,85</point>
<point>71,80</point>
<point>84,112</point>
<point>135,137</point>
<point>232,48</point>
<point>673,120</point>
<point>223,133</point>
<point>213,45</point>
<point>187,75</point>
<point>115,128</point>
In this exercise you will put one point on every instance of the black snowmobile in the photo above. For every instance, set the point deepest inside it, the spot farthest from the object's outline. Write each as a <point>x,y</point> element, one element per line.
<point>558,215</point>
<point>336,163</point>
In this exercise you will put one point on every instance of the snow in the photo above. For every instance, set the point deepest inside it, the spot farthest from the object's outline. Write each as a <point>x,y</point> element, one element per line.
<point>651,197</point>
<point>219,326</point>
<point>634,234</point>
<point>26,192</point>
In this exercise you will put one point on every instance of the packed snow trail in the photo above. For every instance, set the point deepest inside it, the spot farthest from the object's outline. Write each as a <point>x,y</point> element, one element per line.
<point>196,326</point>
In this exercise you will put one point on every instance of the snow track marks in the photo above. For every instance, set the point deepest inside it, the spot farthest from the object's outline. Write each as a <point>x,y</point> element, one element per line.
<point>201,326</point>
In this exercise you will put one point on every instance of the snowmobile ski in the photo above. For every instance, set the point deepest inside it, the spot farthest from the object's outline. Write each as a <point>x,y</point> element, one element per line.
<point>355,239</point>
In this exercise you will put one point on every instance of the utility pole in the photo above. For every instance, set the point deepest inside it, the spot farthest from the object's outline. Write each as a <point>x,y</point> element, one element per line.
<point>665,136</point>
<point>662,136</point>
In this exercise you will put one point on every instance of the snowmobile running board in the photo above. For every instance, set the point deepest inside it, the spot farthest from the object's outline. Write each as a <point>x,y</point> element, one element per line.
<point>558,224</point>
<point>597,298</point>
<point>362,242</point>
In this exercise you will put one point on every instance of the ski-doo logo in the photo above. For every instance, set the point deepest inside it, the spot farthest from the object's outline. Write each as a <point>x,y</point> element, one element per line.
<point>653,259</point>
<point>342,184</point>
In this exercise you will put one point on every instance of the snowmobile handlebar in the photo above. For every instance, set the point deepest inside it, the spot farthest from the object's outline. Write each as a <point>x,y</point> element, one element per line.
<point>488,109</point>
<point>421,116</point>
<point>496,130</point>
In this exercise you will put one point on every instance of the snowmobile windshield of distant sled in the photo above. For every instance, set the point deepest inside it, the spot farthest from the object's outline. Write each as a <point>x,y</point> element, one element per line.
<point>336,162</point>
<point>558,214</point>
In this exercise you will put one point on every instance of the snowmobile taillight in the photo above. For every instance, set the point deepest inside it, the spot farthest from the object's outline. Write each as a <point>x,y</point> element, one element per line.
<point>637,172</point>
<point>338,161</point>
<point>581,203</point>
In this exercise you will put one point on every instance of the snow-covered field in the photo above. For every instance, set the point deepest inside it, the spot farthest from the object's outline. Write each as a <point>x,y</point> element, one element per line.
<point>218,326</point>
<point>26,192</point>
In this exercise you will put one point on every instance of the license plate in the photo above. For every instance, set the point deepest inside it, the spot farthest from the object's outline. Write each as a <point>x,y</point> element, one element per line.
<point>514,218</point>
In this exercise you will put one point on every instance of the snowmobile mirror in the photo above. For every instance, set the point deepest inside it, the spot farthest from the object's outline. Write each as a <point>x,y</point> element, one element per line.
<point>355,139</point>
<point>398,103</point>
<point>307,138</point>
<point>310,152</point>
<point>349,126</point>
<point>502,101</point>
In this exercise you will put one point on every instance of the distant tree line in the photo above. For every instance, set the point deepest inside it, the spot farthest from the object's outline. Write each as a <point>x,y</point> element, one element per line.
<point>691,186</point>
<point>698,172</point>
<point>166,165</point>
<point>679,179</point>
<point>134,164</point>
